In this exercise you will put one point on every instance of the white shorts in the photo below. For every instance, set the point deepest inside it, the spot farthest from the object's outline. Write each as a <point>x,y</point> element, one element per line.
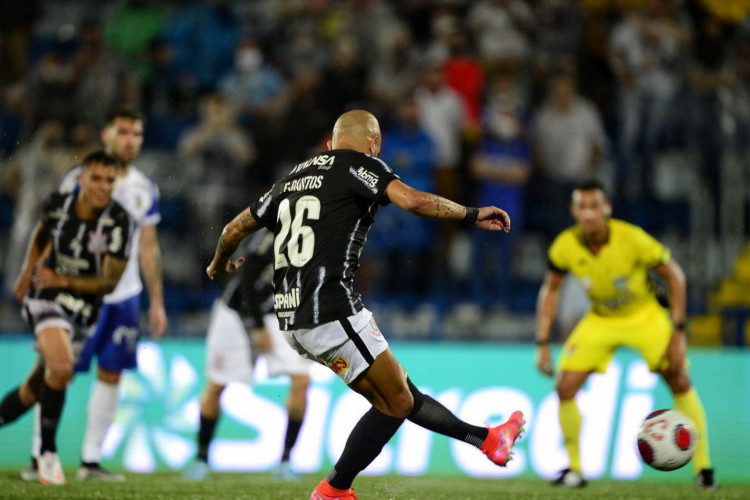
<point>227,347</point>
<point>282,359</point>
<point>42,314</point>
<point>348,347</point>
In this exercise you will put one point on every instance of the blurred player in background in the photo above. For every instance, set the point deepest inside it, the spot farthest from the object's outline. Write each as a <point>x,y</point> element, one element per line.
<point>89,238</point>
<point>242,324</point>
<point>612,259</point>
<point>321,213</point>
<point>115,341</point>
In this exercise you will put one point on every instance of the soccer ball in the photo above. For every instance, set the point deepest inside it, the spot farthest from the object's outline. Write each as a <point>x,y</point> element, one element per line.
<point>667,439</point>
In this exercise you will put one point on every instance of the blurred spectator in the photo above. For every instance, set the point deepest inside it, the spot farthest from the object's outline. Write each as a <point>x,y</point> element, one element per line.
<point>130,30</point>
<point>397,73</point>
<point>307,118</point>
<point>83,138</point>
<point>569,142</point>
<point>501,166</point>
<point>252,87</point>
<point>503,30</point>
<point>47,93</point>
<point>203,36</point>
<point>16,23</point>
<point>558,30</point>
<point>99,79</point>
<point>299,40</point>
<point>645,49</point>
<point>709,76</point>
<point>30,175</point>
<point>442,114</point>
<point>559,34</point>
<point>160,85</point>
<point>741,94</point>
<point>465,74</point>
<point>222,154</point>
<point>345,76</point>
<point>407,259</point>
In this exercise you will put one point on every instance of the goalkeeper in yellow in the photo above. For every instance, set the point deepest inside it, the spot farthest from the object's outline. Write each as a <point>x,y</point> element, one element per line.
<point>612,259</point>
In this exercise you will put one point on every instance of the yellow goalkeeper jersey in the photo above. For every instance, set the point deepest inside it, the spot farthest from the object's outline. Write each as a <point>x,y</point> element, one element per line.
<point>616,279</point>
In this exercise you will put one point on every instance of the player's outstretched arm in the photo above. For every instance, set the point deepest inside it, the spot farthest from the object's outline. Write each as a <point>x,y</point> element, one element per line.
<point>151,269</point>
<point>436,207</point>
<point>233,233</point>
<point>546,308</point>
<point>676,284</point>
<point>40,237</point>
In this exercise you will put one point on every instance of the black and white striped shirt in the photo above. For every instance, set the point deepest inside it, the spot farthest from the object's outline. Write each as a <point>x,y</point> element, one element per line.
<point>250,291</point>
<point>78,249</point>
<point>320,214</point>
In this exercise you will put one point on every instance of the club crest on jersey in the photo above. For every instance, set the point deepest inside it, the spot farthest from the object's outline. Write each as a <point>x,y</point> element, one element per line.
<point>375,331</point>
<point>97,243</point>
<point>339,365</point>
<point>621,283</point>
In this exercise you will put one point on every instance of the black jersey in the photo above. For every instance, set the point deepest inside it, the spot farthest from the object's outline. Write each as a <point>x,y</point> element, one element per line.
<point>320,214</point>
<point>250,291</point>
<point>78,249</point>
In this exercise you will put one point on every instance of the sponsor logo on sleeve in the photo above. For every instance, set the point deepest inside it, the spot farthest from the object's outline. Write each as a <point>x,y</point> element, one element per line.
<point>367,176</point>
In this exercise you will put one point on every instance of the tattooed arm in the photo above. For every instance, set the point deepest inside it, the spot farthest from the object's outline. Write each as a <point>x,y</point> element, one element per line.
<point>234,232</point>
<point>436,207</point>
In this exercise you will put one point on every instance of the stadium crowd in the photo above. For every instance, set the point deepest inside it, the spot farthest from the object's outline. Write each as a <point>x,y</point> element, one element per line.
<point>507,102</point>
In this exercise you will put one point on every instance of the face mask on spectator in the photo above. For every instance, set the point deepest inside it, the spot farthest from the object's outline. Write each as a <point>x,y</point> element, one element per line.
<point>504,125</point>
<point>248,60</point>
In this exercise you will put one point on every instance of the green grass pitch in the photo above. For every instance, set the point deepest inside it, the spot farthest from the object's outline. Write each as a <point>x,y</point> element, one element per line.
<point>164,486</point>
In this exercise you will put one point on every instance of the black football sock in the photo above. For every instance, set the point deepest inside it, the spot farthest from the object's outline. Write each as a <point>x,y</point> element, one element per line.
<point>12,407</point>
<point>52,401</point>
<point>205,436</point>
<point>364,444</point>
<point>292,432</point>
<point>433,416</point>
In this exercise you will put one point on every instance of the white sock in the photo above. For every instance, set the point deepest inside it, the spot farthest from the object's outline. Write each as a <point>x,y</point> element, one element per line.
<point>102,409</point>
<point>36,435</point>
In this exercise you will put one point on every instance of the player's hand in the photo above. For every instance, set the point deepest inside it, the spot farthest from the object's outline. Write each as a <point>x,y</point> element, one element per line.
<point>261,340</point>
<point>157,321</point>
<point>544,360</point>
<point>216,271</point>
<point>21,286</point>
<point>44,278</point>
<point>493,219</point>
<point>675,355</point>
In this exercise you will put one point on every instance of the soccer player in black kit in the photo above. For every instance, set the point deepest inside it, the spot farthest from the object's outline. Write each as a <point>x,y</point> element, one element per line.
<point>320,214</point>
<point>243,326</point>
<point>88,235</point>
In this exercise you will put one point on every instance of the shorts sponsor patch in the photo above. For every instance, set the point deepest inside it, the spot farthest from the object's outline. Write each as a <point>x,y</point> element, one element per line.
<point>338,365</point>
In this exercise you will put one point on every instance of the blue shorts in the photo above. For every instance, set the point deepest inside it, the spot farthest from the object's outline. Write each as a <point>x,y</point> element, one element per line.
<point>116,338</point>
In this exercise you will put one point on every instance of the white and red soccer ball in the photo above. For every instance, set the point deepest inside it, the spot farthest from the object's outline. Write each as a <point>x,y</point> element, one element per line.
<point>667,439</point>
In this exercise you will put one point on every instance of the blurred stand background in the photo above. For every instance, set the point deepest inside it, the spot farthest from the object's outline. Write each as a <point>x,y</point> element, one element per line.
<point>509,102</point>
